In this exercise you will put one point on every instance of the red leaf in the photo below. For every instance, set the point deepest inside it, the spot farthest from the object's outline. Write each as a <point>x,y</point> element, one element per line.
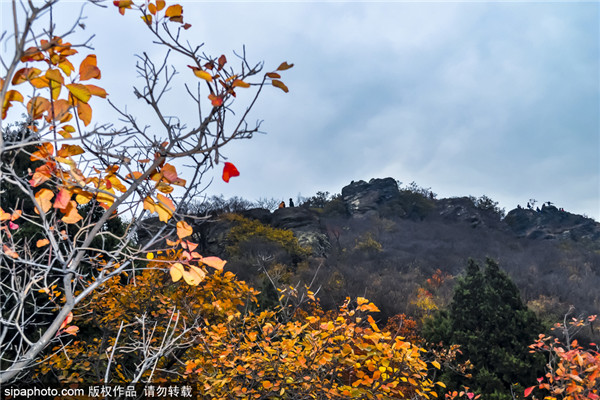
<point>529,390</point>
<point>229,170</point>
<point>216,101</point>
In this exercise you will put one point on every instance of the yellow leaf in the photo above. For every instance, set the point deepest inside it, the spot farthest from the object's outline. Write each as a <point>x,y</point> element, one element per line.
<point>150,256</point>
<point>147,18</point>
<point>280,85</point>
<point>176,272</point>
<point>436,364</point>
<point>194,276</point>
<point>42,243</point>
<point>80,92</point>
<point>203,75</point>
<point>83,197</point>
<point>184,229</point>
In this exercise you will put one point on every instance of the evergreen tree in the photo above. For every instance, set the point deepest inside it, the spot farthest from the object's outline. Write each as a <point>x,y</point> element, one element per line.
<point>488,319</point>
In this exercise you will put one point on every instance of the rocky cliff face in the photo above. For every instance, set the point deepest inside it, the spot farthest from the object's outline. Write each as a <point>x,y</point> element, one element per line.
<point>362,198</point>
<point>551,223</point>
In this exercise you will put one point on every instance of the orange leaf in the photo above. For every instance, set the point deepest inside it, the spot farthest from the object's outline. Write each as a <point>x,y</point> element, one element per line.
<point>149,204</point>
<point>25,74</point>
<point>216,101</point>
<point>80,92</point>
<point>72,330</point>
<point>160,4</point>
<point>69,150</point>
<point>184,229</point>
<point>169,172</point>
<point>71,214</point>
<point>172,243</point>
<point>229,170</point>
<point>44,151</point>
<point>84,112</point>
<point>123,4</point>
<point>240,83</point>
<point>164,207</point>
<point>283,66</point>
<point>9,252</point>
<point>55,75</point>
<point>4,216</point>
<point>134,175</point>
<point>41,175</point>
<point>214,262</point>
<point>88,68</point>
<point>62,199</point>
<point>61,112</point>
<point>42,243</point>
<point>37,106</point>
<point>43,198</point>
<point>97,91</point>
<point>40,82</point>
<point>280,85</point>
<point>11,95</point>
<point>273,75</point>
<point>174,13</point>
<point>152,8</point>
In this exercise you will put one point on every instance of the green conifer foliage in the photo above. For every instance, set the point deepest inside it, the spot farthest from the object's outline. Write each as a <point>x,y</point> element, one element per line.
<point>494,328</point>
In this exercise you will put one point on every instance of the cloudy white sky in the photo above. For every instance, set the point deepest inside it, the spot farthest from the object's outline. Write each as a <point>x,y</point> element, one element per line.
<point>468,98</point>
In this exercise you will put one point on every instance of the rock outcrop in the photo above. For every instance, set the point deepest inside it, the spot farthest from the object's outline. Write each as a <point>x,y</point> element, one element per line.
<point>362,198</point>
<point>551,223</point>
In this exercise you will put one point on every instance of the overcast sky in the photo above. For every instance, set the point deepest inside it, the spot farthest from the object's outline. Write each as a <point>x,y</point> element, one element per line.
<point>467,98</point>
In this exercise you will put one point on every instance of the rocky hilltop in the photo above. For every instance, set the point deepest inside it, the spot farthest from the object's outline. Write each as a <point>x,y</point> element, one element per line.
<point>385,241</point>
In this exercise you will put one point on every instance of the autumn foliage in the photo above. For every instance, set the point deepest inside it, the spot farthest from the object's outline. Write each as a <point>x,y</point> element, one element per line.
<point>83,176</point>
<point>573,370</point>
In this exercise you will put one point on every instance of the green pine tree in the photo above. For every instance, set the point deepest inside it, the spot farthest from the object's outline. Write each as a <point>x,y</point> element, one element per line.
<point>494,328</point>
